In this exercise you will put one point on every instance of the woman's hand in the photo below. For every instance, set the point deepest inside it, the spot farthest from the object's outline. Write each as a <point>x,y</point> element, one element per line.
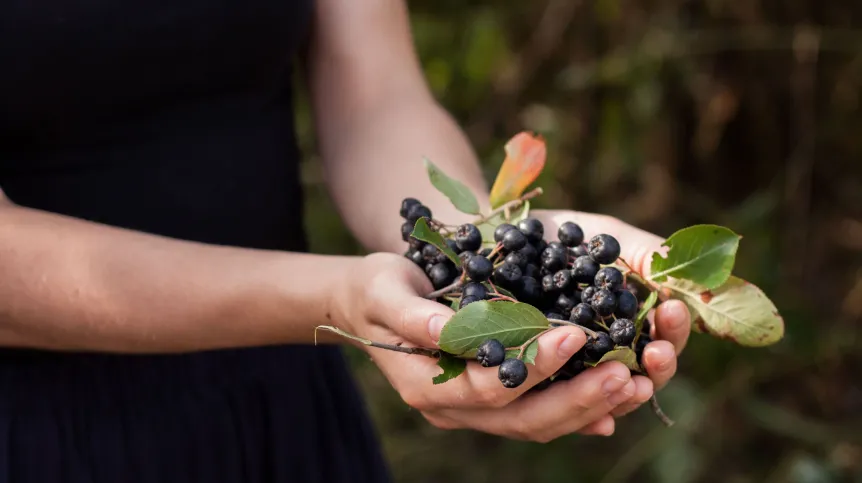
<point>382,300</point>
<point>671,321</point>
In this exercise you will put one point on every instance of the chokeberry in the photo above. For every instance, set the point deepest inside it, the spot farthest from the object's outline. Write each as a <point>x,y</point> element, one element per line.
<point>646,326</point>
<point>406,230</point>
<point>418,211</point>
<point>558,246</point>
<point>453,246</point>
<point>604,249</point>
<point>540,247</point>
<point>479,268</point>
<point>583,314</point>
<point>529,253</point>
<point>532,271</point>
<point>641,344</point>
<point>474,289</point>
<point>565,304</point>
<point>579,251</point>
<point>587,294</point>
<point>512,373</point>
<point>441,275</point>
<point>627,304</point>
<point>430,252</point>
<point>465,301</point>
<point>502,230</point>
<point>416,257</point>
<point>585,270</point>
<point>609,278</point>
<point>514,240</point>
<point>548,284</point>
<point>468,237</point>
<point>416,243</point>
<point>553,259</point>
<point>428,267</point>
<point>563,280</point>
<point>551,314</point>
<point>604,302</point>
<point>491,353</point>
<point>517,259</point>
<point>465,257</point>
<point>529,290</point>
<point>570,234</point>
<point>406,204</point>
<point>532,228</point>
<point>507,275</point>
<point>575,365</point>
<point>598,346</point>
<point>622,332</point>
<point>485,252</point>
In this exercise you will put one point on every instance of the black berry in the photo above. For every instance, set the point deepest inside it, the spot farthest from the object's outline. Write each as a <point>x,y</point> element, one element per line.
<point>465,301</point>
<point>554,315</point>
<point>485,252</point>
<point>430,252</point>
<point>604,302</point>
<point>585,270</point>
<point>491,353</point>
<point>416,256</point>
<point>532,271</point>
<point>643,340</point>
<point>502,230</point>
<point>468,237</point>
<point>517,259</point>
<point>474,289</point>
<point>570,234</point>
<point>587,294</point>
<point>540,246</point>
<point>646,327</point>
<point>507,275</point>
<point>562,280</point>
<point>553,259</point>
<point>532,228</point>
<point>406,230</point>
<point>548,285</point>
<point>583,314</point>
<point>598,346</point>
<point>418,211</point>
<point>609,278</point>
<point>514,240</point>
<point>440,275</point>
<point>622,332</point>
<point>565,304</point>
<point>575,365</point>
<point>465,257</point>
<point>512,373</point>
<point>604,249</point>
<point>579,251</point>
<point>627,304</point>
<point>529,253</point>
<point>428,267</point>
<point>529,290</point>
<point>406,204</point>
<point>479,268</point>
<point>453,246</point>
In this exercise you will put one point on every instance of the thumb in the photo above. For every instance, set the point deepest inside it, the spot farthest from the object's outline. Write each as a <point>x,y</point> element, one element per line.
<point>399,304</point>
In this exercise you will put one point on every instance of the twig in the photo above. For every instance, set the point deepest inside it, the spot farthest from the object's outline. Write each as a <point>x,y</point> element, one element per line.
<point>509,205</point>
<point>422,351</point>
<point>656,409</point>
<point>530,341</point>
<point>443,291</point>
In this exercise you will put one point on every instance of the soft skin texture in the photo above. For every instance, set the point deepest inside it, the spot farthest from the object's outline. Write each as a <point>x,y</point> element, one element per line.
<point>69,284</point>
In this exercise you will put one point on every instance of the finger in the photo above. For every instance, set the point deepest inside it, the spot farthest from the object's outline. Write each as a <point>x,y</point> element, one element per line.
<point>643,391</point>
<point>563,408</point>
<point>659,360</point>
<point>673,323</point>
<point>603,427</point>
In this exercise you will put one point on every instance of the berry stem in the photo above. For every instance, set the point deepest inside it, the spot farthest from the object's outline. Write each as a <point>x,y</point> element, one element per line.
<point>509,205</point>
<point>589,332</point>
<point>445,290</point>
<point>656,409</point>
<point>422,351</point>
<point>626,264</point>
<point>500,297</point>
<point>529,341</point>
<point>496,250</point>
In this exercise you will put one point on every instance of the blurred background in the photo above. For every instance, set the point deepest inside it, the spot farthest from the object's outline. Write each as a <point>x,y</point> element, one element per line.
<point>667,113</point>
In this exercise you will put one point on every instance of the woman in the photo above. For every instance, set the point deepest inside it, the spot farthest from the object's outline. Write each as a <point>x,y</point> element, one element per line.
<point>156,306</point>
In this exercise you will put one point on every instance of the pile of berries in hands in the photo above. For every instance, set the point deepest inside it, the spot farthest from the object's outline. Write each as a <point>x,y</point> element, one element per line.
<point>571,280</point>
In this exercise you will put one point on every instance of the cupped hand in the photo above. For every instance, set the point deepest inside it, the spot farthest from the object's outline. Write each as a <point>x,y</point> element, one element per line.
<point>386,304</point>
<point>671,320</point>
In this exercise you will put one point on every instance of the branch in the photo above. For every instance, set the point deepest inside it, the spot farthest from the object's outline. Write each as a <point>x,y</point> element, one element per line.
<point>422,351</point>
<point>443,291</point>
<point>509,205</point>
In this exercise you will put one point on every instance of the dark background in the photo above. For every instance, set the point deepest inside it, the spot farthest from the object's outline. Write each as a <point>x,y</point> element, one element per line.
<point>744,113</point>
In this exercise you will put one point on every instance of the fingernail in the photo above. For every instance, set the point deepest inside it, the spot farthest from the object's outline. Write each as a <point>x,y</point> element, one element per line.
<point>568,347</point>
<point>623,394</point>
<point>613,384</point>
<point>435,326</point>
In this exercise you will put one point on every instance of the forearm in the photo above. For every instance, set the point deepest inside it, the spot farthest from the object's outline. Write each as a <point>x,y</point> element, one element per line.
<point>68,284</point>
<point>377,164</point>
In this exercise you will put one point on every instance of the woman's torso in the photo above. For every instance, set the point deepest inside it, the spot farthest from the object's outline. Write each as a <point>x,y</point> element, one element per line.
<point>171,117</point>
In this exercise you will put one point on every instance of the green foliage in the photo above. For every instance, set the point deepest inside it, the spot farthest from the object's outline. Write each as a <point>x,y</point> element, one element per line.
<point>452,368</point>
<point>458,194</point>
<point>703,254</point>
<point>423,232</point>
<point>510,323</point>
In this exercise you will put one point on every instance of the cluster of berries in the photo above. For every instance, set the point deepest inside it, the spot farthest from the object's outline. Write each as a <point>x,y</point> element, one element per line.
<point>568,279</point>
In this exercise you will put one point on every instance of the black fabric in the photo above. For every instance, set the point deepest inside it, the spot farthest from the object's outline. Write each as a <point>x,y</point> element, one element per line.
<point>172,117</point>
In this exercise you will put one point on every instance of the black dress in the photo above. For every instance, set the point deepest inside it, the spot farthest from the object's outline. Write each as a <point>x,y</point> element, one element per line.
<point>171,117</point>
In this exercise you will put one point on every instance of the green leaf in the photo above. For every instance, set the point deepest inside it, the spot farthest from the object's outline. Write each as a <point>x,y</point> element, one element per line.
<point>487,227</point>
<point>454,304</point>
<point>703,254</point>
<point>452,368</point>
<point>529,354</point>
<point>738,311</point>
<point>458,194</point>
<point>422,231</point>
<point>624,355</point>
<point>649,303</point>
<point>512,323</point>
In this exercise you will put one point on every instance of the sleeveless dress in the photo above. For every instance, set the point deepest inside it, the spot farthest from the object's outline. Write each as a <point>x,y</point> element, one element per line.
<point>172,117</point>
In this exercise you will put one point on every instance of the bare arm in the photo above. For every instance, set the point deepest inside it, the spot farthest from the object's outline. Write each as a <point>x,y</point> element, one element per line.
<point>72,284</point>
<point>376,119</point>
